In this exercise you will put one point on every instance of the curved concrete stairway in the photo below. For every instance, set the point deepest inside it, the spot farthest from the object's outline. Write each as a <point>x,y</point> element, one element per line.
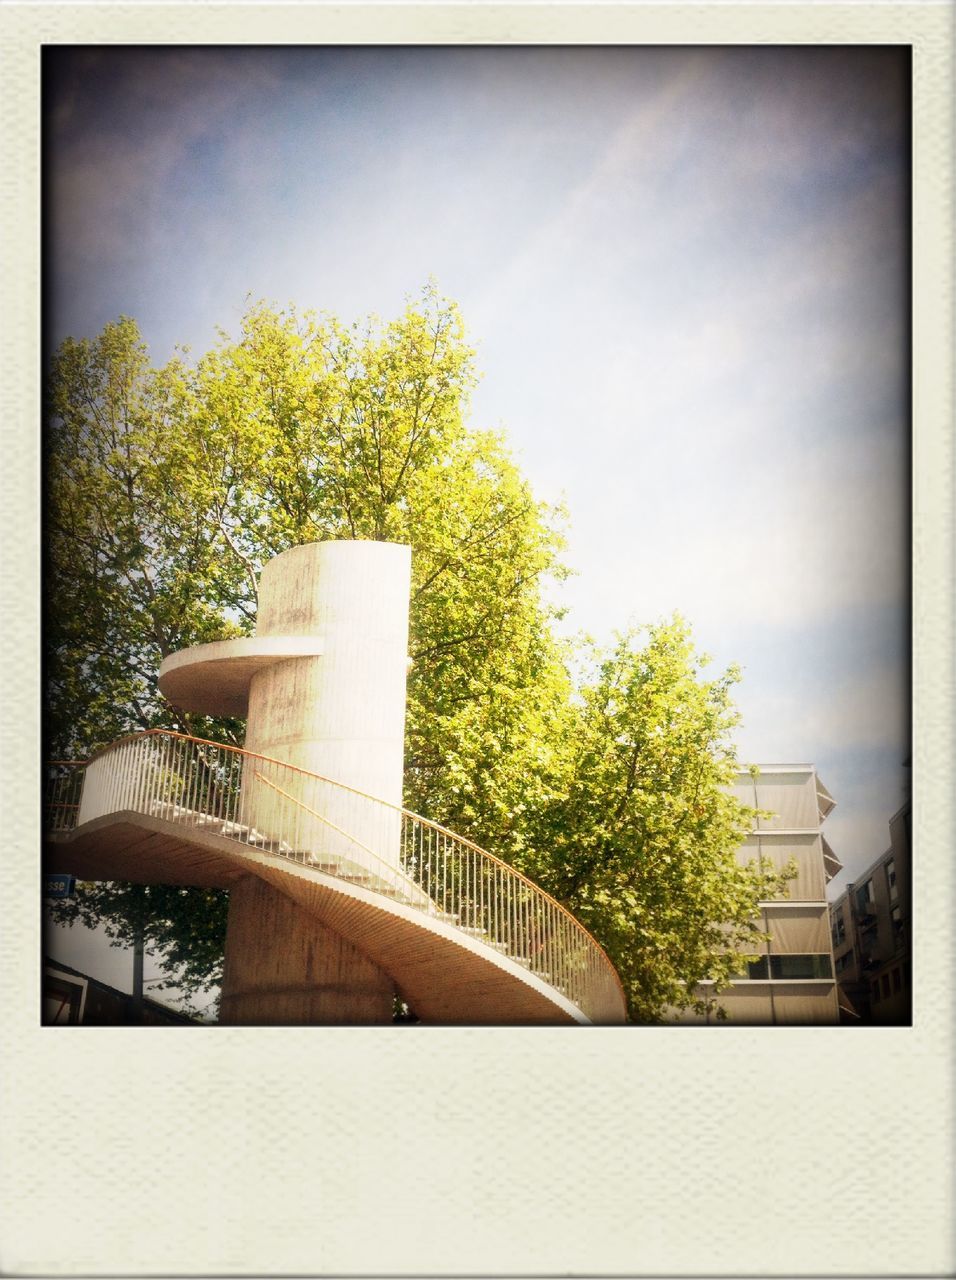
<point>465,937</point>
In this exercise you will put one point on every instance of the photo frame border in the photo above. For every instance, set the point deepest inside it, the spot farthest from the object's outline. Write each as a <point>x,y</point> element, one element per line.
<point>465,1151</point>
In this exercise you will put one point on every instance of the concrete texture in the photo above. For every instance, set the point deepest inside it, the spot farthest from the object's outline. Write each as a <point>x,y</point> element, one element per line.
<point>341,715</point>
<point>215,678</point>
<point>324,685</point>
<point>312,976</point>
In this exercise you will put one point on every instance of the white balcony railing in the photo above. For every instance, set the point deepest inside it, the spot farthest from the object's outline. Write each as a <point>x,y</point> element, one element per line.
<point>290,813</point>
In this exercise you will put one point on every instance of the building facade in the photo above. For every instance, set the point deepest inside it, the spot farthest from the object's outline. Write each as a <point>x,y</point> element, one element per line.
<point>74,998</point>
<point>792,981</point>
<point>870,924</point>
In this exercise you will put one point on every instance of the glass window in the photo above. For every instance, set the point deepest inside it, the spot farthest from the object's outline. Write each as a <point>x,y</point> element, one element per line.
<point>814,966</point>
<point>864,896</point>
<point>896,915</point>
<point>885,980</point>
<point>891,879</point>
<point>755,970</point>
<point>839,928</point>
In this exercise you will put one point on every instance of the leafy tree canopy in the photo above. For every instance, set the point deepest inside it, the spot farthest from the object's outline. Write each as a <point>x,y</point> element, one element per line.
<point>601,775</point>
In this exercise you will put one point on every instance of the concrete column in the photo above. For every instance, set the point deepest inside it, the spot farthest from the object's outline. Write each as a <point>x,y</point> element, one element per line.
<point>283,967</point>
<point>322,684</point>
<point>341,714</point>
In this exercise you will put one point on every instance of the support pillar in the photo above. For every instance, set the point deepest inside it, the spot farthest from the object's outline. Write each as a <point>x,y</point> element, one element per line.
<point>284,968</point>
<point>322,684</point>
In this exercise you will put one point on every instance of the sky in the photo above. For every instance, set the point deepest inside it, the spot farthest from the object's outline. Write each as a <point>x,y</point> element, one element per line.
<point>685,274</point>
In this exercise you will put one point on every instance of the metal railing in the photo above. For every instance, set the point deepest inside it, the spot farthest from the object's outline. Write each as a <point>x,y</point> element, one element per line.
<point>291,813</point>
<point>61,794</point>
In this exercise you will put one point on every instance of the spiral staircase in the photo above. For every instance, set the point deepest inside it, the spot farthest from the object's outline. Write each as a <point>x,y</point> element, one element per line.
<point>338,896</point>
<point>464,937</point>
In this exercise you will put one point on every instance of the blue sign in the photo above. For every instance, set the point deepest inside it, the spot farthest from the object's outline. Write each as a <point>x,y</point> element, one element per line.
<point>59,886</point>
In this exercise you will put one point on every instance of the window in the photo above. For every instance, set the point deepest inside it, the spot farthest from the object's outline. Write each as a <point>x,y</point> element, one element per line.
<point>839,928</point>
<point>756,970</point>
<point>885,980</point>
<point>891,880</point>
<point>896,981</point>
<point>864,896</point>
<point>896,917</point>
<point>790,967</point>
<point>875,992</point>
<point>844,962</point>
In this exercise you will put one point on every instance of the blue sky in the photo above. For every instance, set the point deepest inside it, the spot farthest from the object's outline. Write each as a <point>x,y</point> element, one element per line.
<point>684,271</point>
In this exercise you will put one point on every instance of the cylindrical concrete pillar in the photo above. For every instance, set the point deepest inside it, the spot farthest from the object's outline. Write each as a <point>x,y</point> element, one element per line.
<point>283,967</point>
<point>341,714</point>
<point>323,687</point>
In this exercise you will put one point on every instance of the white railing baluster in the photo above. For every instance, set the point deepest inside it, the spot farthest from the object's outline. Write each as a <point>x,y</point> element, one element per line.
<point>142,773</point>
<point>142,778</point>
<point>137,775</point>
<point>124,780</point>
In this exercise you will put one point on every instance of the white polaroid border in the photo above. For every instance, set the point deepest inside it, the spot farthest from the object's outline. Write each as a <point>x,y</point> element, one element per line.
<point>447,1152</point>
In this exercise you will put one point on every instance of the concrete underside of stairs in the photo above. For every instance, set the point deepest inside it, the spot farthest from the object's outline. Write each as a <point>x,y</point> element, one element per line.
<point>446,976</point>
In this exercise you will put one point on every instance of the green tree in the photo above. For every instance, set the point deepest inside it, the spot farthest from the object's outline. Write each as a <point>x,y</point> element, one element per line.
<point>640,836</point>
<point>169,488</point>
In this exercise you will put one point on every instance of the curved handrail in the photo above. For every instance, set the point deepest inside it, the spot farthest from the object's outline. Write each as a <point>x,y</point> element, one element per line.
<point>291,812</point>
